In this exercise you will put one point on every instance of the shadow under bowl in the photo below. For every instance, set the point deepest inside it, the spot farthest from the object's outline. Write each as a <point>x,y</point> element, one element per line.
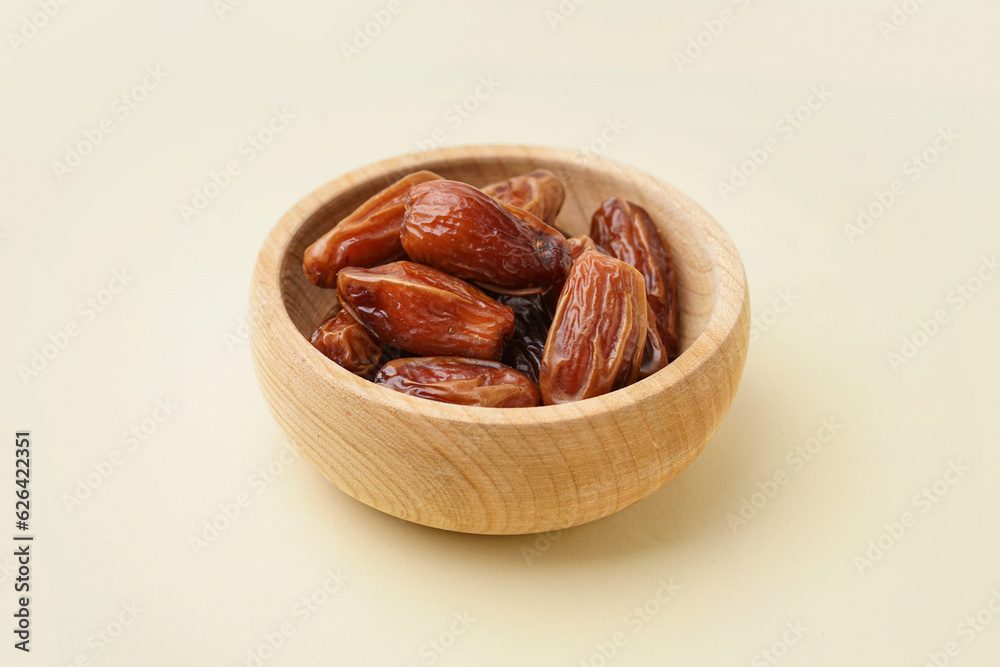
<point>491,470</point>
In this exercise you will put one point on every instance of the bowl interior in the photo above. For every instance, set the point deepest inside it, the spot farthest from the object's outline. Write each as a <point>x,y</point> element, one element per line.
<point>484,470</point>
<point>589,181</point>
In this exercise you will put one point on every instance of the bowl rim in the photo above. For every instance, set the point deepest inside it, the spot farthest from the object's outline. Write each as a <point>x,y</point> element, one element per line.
<point>267,296</point>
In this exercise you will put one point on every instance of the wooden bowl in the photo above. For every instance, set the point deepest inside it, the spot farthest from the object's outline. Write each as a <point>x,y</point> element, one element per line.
<point>493,470</point>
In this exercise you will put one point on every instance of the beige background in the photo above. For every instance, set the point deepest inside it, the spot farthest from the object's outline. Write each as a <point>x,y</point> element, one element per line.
<point>176,331</point>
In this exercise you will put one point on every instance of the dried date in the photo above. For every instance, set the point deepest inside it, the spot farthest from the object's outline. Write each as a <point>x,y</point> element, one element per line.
<point>463,231</point>
<point>425,311</point>
<point>460,381</point>
<point>628,233</point>
<point>580,243</point>
<point>531,326</point>
<point>654,354</point>
<point>596,340</point>
<point>577,245</point>
<point>369,236</point>
<point>344,341</point>
<point>539,193</point>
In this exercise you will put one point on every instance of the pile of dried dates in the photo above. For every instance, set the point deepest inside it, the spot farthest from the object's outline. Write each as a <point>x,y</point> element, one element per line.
<point>470,296</point>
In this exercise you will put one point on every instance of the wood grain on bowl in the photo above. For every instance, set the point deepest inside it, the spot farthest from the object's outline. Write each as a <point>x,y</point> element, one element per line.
<point>497,470</point>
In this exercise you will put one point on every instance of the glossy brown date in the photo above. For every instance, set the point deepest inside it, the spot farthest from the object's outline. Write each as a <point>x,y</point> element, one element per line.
<point>596,340</point>
<point>539,193</point>
<point>531,326</point>
<point>627,232</point>
<point>581,242</point>
<point>654,353</point>
<point>367,237</point>
<point>425,311</point>
<point>577,245</point>
<point>460,381</point>
<point>465,232</point>
<point>343,340</point>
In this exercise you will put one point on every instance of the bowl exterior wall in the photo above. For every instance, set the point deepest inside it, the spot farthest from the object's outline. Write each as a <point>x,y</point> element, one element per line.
<point>499,471</point>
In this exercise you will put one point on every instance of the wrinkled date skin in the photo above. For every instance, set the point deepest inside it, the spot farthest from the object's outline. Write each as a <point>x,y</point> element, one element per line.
<point>531,327</point>
<point>654,354</point>
<point>580,243</point>
<point>424,311</point>
<point>539,193</point>
<point>467,233</point>
<point>576,245</point>
<point>460,381</point>
<point>596,340</point>
<point>367,237</point>
<point>627,232</point>
<point>344,341</point>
